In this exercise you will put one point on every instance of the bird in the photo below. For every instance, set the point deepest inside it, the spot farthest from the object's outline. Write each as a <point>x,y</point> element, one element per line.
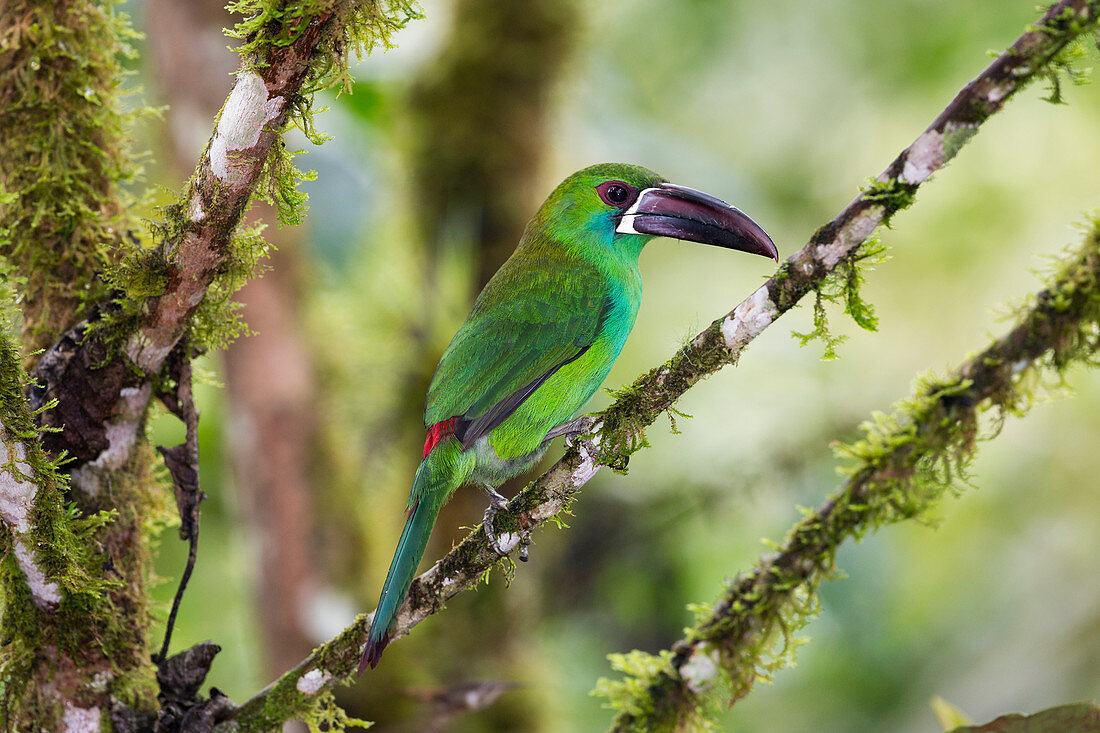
<point>540,339</point>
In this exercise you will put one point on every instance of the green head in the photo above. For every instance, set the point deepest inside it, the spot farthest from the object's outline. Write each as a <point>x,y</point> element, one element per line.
<point>617,208</point>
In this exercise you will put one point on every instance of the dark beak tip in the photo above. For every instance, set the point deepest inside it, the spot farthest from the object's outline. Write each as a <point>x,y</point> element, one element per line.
<point>757,241</point>
<point>687,214</point>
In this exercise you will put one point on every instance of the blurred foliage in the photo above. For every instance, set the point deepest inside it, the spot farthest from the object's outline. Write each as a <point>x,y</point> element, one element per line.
<point>1078,718</point>
<point>783,109</point>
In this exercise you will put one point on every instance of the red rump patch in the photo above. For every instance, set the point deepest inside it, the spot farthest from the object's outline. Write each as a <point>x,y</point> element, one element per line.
<point>437,433</point>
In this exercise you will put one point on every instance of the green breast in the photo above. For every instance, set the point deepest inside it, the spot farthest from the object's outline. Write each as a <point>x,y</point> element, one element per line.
<point>560,398</point>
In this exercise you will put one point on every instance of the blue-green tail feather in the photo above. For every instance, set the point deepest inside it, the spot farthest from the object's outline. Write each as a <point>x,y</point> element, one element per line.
<point>435,480</point>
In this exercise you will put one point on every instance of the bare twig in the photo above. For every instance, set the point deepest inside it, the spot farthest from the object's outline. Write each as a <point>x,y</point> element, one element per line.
<point>183,464</point>
<point>720,344</point>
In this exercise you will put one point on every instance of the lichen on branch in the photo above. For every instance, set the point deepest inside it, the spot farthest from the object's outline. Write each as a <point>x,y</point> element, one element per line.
<point>903,465</point>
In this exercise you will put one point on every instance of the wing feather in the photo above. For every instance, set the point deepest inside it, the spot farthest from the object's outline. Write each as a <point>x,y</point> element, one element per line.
<point>526,324</point>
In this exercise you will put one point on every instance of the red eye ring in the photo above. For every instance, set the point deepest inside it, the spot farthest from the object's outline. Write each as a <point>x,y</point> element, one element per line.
<point>617,193</point>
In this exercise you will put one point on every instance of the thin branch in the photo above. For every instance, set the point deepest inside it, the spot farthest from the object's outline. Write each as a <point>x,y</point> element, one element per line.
<point>617,428</point>
<point>183,464</point>
<point>905,464</point>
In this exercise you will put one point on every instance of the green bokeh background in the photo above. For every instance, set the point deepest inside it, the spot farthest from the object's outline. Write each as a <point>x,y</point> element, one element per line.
<point>784,109</point>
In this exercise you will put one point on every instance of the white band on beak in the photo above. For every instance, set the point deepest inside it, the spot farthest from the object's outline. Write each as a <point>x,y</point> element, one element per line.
<point>626,223</point>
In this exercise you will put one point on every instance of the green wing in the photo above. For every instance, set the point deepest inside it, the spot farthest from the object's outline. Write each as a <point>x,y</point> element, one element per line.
<point>527,323</point>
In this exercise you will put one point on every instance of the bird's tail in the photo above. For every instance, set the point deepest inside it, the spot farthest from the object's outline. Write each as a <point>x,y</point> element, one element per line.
<point>441,472</point>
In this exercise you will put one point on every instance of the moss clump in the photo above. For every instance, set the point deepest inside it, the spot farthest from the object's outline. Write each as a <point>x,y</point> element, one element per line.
<point>651,698</point>
<point>630,695</point>
<point>892,194</point>
<point>326,715</point>
<point>844,285</point>
<point>1065,66</point>
<point>271,25</point>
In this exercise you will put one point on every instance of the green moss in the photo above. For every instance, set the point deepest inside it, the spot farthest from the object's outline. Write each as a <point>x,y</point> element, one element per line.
<point>1067,33</point>
<point>821,330</point>
<point>284,701</point>
<point>651,697</point>
<point>270,25</point>
<point>844,285</point>
<point>62,221</point>
<point>143,274</point>
<point>638,405</point>
<point>65,164</point>
<point>955,137</point>
<point>783,272</point>
<point>65,542</point>
<point>641,671</point>
<point>325,715</point>
<point>1066,65</point>
<point>892,194</point>
<point>217,322</point>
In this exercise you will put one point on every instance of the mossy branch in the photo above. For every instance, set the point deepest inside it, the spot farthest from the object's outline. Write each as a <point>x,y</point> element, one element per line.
<point>904,464</point>
<point>66,619</point>
<point>51,570</point>
<point>290,50</point>
<point>34,520</point>
<point>618,430</point>
<point>91,389</point>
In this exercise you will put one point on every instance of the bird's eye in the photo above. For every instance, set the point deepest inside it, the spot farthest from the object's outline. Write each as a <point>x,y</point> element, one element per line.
<point>617,193</point>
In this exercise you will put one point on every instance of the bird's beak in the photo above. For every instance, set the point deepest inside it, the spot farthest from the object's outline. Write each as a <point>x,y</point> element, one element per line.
<point>684,213</point>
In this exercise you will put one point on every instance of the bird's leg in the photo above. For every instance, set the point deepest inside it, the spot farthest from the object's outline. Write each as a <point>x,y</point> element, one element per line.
<point>571,429</point>
<point>576,426</point>
<point>498,501</point>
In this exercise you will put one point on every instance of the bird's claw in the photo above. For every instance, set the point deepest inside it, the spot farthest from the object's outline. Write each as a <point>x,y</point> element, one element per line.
<point>571,430</point>
<point>497,503</point>
<point>487,522</point>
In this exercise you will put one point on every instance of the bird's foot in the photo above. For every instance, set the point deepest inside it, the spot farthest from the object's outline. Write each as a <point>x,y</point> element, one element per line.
<point>573,428</point>
<point>506,543</point>
<point>496,503</point>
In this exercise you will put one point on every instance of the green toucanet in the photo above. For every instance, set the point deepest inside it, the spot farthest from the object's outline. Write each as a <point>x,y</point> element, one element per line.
<point>541,338</point>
